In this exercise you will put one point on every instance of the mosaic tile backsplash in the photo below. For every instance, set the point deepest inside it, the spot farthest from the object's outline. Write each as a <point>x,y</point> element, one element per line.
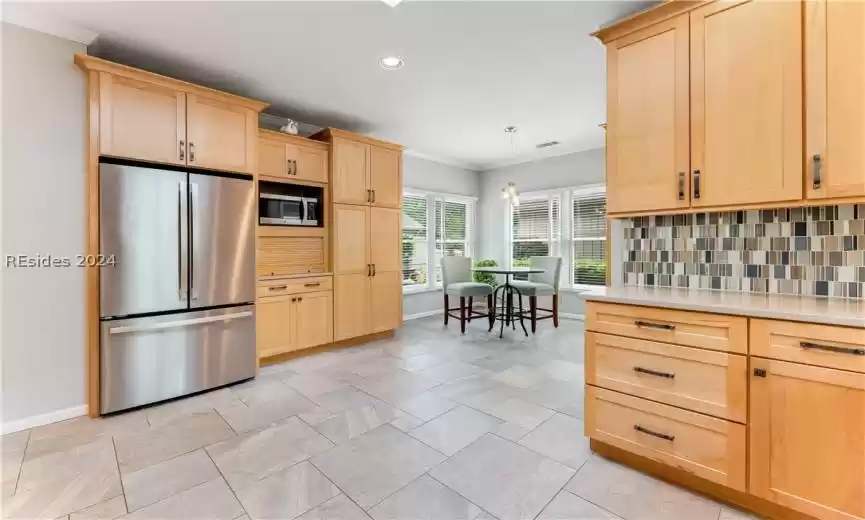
<point>817,251</point>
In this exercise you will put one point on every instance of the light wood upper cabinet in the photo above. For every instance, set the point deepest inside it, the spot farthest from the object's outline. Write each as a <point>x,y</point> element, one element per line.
<point>272,158</point>
<point>746,103</point>
<point>314,319</point>
<point>385,177</point>
<point>141,120</point>
<point>274,319</point>
<point>351,305</point>
<point>351,239</point>
<point>309,164</point>
<point>647,127</point>
<point>807,439</point>
<point>385,300</point>
<point>221,136</point>
<point>835,112</point>
<point>350,172</point>
<point>385,231</point>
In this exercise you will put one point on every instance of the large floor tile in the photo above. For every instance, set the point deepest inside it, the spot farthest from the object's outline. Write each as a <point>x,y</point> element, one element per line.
<point>248,458</point>
<point>344,399</point>
<point>509,481</point>
<point>517,411</point>
<point>63,435</point>
<point>60,483</point>
<point>567,506</point>
<point>456,429</point>
<point>339,507</point>
<point>425,406</point>
<point>287,494</point>
<point>212,500</point>
<point>731,514</point>
<point>347,425</point>
<point>566,397</point>
<point>107,510</point>
<point>151,484</point>
<point>12,446</point>
<point>263,412</point>
<point>453,371</point>
<point>376,464</point>
<point>521,376</point>
<point>397,386</point>
<point>182,435</point>
<point>425,499</point>
<point>560,438</point>
<point>313,384</point>
<point>635,496</point>
<point>216,400</point>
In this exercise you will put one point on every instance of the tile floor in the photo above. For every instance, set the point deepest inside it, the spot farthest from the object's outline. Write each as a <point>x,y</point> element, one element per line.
<point>427,425</point>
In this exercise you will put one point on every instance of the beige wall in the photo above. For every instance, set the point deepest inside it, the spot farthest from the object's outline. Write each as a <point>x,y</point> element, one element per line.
<point>43,212</point>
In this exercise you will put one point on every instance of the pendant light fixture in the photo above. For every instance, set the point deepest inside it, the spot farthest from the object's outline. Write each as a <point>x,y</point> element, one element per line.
<point>510,193</point>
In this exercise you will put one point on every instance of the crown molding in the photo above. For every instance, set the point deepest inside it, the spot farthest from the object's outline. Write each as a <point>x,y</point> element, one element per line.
<point>440,160</point>
<point>24,16</point>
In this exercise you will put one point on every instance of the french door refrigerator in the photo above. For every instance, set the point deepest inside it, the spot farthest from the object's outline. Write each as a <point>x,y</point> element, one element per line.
<point>177,313</point>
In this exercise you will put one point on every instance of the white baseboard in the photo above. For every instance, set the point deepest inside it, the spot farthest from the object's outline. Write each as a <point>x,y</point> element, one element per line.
<point>422,315</point>
<point>569,316</point>
<point>43,419</point>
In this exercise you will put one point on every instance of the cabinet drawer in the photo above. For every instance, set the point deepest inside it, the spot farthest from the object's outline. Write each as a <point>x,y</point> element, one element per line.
<point>821,345</point>
<point>714,383</point>
<point>710,448</point>
<point>694,329</point>
<point>266,288</point>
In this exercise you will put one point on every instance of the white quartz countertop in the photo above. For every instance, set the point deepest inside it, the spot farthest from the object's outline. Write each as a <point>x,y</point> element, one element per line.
<point>809,309</point>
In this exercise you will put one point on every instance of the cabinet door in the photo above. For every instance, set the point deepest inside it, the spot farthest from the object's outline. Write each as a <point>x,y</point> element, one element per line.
<point>385,231</point>
<point>351,306</point>
<point>221,136</point>
<point>647,119</point>
<point>140,120</point>
<point>272,158</point>
<point>351,239</point>
<point>385,177</point>
<point>835,76</point>
<point>350,172</point>
<point>314,319</point>
<point>746,103</point>
<point>309,164</point>
<point>807,441</point>
<point>273,325</point>
<point>385,300</point>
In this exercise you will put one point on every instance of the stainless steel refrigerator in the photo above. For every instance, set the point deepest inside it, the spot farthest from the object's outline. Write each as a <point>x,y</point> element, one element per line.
<point>177,313</point>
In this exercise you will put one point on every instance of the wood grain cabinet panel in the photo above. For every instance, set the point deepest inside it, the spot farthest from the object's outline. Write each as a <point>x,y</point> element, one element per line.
<point>279,256</point>
<point>807,438</point>
<point>714,383</point>
<point>281,286</point>
<point>648,146</point>
<point>310,164</point>
<point>274,326</point>
<point>385,231</point>
<point>385,177</point>
<point>710,448</point>
<point>140,120</point>
<point>272,158</point>
<point>823,345</point>
<point>350,178</point>
<point>385,301</point>
<point>221,136</point>
<point>351,305</point>
<point>746,103</point>
<point>314,319</point>
<point>835,81</point>
<point>351,239</point>
<point>694,329</point>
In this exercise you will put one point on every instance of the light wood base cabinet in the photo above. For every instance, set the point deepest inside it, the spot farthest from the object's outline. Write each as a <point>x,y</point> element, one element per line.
<point>293,322</point>
<point>351,305</point>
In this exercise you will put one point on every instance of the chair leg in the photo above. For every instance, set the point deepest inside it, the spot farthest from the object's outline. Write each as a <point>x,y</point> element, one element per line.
<point>446,309</point>
<point>491,310</point>
<point>533,308</point>
<point>556,310</point>
<point>463,314</point>
<point>471,308</point>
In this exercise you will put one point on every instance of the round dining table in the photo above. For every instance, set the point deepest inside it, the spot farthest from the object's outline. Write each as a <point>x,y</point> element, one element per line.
<point>507,291</point>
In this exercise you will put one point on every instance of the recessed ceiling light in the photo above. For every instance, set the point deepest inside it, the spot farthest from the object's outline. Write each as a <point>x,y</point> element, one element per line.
<point>510,129</point>
<point>392,3</point>
<point>391,62</point>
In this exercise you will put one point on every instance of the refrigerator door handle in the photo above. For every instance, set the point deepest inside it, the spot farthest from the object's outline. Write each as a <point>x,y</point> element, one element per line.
<point>193,239</point>
<point>178,323</point>
<point>182,252</point>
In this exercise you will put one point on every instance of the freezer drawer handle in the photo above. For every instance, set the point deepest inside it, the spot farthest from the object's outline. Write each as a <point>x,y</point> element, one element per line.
<point>841,350</point>
<point>647,431</point>
<point>650,325</point>
<point>649,371</point>
<point>179,323</point>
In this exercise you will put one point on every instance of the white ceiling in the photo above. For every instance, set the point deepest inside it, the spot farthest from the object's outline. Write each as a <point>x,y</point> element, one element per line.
<point>471,68</point>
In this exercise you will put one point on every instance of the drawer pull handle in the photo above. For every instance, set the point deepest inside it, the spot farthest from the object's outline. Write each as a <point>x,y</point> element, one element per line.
<point>840,350</point>
<point>316,284</point>
<point>654,434</point>
<point>277,288</point>
<point>649,325</point>
<point>651,372</point>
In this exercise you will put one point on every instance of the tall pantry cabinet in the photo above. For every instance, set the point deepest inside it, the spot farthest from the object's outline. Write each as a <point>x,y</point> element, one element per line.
<point>366,186</point>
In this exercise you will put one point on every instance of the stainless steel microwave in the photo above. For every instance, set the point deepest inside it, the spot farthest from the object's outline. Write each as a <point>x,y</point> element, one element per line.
<point>287,210</point>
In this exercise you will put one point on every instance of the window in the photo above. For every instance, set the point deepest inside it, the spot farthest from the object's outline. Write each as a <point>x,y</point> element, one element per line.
<point>415,250</point>
<point>535,228</point>
<point>433,225</point>
<point>589,234</point>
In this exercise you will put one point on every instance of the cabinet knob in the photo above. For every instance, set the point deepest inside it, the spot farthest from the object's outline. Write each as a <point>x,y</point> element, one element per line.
<point>760,372</point>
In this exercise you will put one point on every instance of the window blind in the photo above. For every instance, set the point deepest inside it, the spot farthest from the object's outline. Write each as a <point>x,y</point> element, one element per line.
<point>415,250</point>
<point>589,234</point>
<point>535,229</point>
<point>452,230</point>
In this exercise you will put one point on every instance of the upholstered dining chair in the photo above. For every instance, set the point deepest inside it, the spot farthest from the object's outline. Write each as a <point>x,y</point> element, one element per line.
<point>457,281</point>
<point>542,284</point>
